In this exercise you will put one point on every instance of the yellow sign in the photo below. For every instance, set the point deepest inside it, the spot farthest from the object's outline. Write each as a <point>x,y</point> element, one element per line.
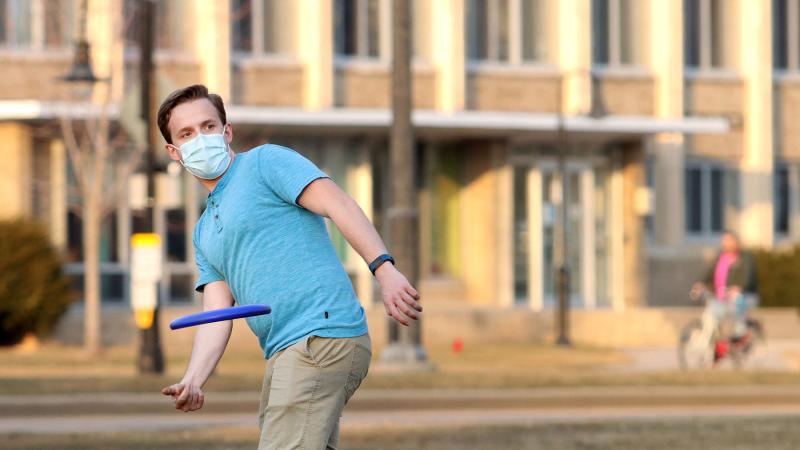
<point>145,273</point>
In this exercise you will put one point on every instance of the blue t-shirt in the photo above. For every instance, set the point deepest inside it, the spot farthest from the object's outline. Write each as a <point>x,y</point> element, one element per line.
<point>269,250</point>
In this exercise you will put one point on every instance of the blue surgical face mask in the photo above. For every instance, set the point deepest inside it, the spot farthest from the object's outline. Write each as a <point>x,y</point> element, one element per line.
<point>206,156</point>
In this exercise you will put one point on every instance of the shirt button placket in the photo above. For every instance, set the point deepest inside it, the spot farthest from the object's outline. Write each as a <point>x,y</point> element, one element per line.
<point>215,210</point>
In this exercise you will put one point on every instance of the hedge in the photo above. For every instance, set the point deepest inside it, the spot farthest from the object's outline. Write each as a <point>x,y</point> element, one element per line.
<point>33,291</point>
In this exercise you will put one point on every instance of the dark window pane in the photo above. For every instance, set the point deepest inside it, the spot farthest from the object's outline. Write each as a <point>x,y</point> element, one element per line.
<point>781,182</point>
<point>181,288</point>
<point>58,17</point>
<point>694,200</point>
<point>477,29</point>
<point>717,200</point>
<point>112,287</point>
<point>779,34</point>
<point>627,31</point>
<point>533,42</point>
<point>108,239</point>
<point>600,31</point>
<point>691,33</point>
<point>502,30</point>
<point>131,22</point>
<point>74,237</point>
<point>176,235</point>
<point>3,20</point>
<point>345,27</point>
<point>373,28</point>
<point>241,25</point>
<point>717,33</point>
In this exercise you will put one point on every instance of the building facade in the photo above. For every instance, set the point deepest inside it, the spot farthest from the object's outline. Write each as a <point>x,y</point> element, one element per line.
<point>670,120</point>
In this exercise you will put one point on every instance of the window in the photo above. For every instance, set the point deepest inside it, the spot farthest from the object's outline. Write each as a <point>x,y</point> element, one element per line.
<point>356,27</point>
<point>36,23</point>
<point>260,27</point>
<point>705,198</point>
<point>782,200</point>
<point>502,31</point>
<point>169,23</point>
<point>786,34</point>
<point>704,33</point>
<point>614,32</point>
<point>650,182</point>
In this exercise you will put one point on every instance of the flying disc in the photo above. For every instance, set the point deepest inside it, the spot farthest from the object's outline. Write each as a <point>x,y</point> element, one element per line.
<point>218,315</point>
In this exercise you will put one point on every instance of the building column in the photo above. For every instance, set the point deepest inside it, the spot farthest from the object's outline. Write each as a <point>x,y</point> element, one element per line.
<point>213,46</point>
<point>634,268</point>
<point>504,236</point>
<point>756,191</point>
<point>58,194</point>
<point>103,22</point>
<point>574,56</point>
<point>360,187</point>
<point>315,50</point>
<point>449,54</point>
<point>664,59</point>
<point>16,171</point>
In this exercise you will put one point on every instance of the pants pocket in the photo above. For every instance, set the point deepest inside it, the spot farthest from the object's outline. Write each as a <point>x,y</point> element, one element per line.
<point>358,370</point>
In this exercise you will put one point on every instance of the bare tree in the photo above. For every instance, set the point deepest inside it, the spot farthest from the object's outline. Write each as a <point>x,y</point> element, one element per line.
<point>102,158</point>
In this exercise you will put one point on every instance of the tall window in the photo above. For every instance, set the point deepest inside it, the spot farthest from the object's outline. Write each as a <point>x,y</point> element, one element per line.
<point>705,196</point>
<point>704,34</point>
<point>786,34</point>
<point>356,27</point>
<point>782,199</point>
<point>44,24</point>
<point>262,27</point>
<point>614,32</point>
<point>502,31</point>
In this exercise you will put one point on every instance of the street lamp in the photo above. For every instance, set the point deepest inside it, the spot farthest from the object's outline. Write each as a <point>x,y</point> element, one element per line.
<point>561,260</point>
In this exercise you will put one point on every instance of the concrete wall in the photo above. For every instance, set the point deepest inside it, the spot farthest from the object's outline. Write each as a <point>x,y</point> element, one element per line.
<point>628,95</point>
<point>34,77</point>
<point>371,87</point>
<point>717,97</point>
<point>268,85</point>
<point>788,108</point>
<point>513,91</point>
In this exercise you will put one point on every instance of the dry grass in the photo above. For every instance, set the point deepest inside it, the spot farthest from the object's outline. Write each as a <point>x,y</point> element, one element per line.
<point>56,368</point>
<point>775,433</point>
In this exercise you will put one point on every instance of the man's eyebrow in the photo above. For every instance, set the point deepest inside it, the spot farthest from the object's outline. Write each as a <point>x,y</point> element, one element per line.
<point>209,121</point>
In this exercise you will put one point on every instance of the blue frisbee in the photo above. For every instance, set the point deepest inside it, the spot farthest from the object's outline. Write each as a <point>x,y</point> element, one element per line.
<point>218,315</point>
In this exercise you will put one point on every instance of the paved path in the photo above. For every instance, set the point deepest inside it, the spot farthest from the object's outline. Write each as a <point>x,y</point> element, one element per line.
<point>375,408</point>
<point>772,355</point>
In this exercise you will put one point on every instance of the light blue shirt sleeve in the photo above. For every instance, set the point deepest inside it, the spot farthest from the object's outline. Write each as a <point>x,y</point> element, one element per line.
<point>207,273</point>
<point>287,172</point>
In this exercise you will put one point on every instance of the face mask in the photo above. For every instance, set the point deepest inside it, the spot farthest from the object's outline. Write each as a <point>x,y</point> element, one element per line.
<point>206,156</point>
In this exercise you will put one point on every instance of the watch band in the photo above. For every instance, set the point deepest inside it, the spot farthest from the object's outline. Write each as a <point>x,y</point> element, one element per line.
<point>373,266</point>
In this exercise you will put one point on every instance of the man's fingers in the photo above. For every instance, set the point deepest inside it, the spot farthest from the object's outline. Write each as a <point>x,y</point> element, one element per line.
<point>173,390</point>
<point>396,315</point>
<point>182,399</point>
<point>411,301</point>
<point>413,292</point>
<point>403,306</point>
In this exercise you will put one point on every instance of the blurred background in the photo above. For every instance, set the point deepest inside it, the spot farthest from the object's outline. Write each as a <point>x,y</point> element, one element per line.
<point>573,164</point>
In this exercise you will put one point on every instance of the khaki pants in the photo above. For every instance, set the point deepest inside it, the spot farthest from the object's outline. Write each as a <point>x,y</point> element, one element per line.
<point>305,389</point>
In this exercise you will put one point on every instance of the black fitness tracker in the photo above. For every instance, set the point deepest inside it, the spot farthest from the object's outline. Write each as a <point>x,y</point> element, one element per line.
<point>373,266</point>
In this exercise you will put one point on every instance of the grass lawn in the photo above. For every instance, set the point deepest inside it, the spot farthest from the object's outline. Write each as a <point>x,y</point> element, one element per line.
<point>55,368</point>
<point>709,434</point>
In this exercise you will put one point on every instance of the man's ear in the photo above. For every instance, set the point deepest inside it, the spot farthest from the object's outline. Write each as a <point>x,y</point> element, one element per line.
<point>174,153</point>
<point>228,133</point>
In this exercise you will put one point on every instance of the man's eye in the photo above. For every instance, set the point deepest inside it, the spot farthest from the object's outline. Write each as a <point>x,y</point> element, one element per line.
<point>210,126</point>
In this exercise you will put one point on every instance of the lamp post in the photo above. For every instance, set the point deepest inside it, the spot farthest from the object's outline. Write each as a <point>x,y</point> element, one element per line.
<point>151,358</point>
<point>561,251</point>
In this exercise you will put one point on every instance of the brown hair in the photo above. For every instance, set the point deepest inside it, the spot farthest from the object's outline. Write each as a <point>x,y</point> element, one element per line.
<point>187,94</point>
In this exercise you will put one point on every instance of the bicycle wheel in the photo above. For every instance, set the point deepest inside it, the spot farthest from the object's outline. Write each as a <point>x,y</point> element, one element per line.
<point>694,352</point>
<point>753,338</point>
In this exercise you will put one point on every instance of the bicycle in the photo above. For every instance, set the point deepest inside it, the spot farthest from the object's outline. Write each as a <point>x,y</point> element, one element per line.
<point>704,342</point>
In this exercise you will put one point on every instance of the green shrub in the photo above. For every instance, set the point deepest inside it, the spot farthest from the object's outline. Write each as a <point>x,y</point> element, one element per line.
<point>33,291</point>
<point>778,277</point>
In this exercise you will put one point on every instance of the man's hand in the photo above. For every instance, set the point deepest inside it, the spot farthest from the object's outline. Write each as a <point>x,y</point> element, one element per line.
<point>187,396</point>
<point>697,291</point>
<point>399,297</point>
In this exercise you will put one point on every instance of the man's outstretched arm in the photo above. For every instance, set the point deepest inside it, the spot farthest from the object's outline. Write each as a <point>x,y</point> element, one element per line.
<point>209,345</point>
<point>325,198</point>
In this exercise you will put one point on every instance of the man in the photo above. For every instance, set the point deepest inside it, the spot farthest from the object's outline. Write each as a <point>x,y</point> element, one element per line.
<point>262,239</point>
<point>731,280</point>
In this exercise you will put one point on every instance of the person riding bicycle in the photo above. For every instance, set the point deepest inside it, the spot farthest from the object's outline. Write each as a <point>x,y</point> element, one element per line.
<point>731,280</point>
